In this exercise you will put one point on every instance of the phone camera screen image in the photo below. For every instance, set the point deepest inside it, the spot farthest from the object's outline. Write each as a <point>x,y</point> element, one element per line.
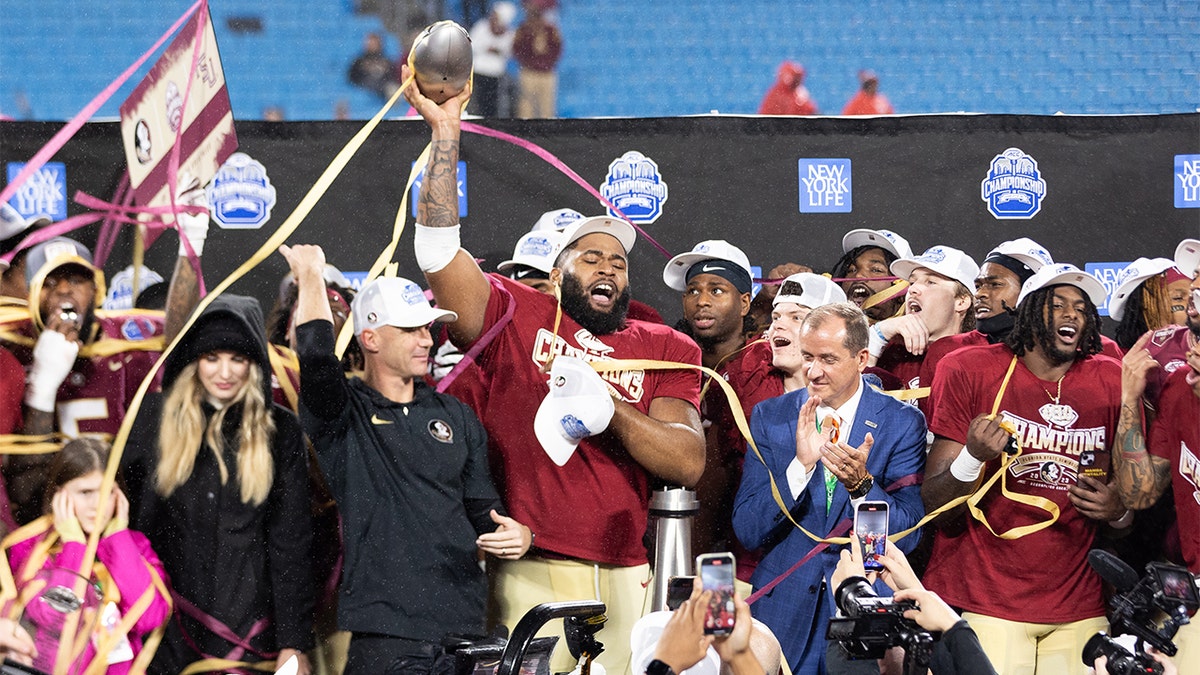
<point>716,574</point>
<point>871,528</point>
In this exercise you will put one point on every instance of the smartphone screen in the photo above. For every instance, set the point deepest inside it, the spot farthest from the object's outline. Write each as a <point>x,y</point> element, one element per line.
<point>716,572</point>
<point>871,528</point>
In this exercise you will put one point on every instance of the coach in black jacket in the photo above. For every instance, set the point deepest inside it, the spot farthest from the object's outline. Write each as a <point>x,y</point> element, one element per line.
<point>408,467</point>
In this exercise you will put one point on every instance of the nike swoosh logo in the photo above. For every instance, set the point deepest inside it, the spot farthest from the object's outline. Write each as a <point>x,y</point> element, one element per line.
<point>375,420</point>
<point>706,268</point>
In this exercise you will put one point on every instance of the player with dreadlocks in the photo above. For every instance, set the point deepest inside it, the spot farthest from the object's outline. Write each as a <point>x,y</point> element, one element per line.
<point>1058,398</point>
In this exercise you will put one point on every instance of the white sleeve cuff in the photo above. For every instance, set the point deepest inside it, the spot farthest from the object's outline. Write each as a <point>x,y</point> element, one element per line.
<point>876,342</point>
<point>965,467</point>
<point>797,477</point>
<point>435,247</point>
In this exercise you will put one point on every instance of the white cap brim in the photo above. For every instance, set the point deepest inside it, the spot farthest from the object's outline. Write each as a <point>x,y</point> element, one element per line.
<point>869,237</point>
<point>1145,268</point>
<point>614,227</point>
<point>1090,285</point>
<point>1187,257</point>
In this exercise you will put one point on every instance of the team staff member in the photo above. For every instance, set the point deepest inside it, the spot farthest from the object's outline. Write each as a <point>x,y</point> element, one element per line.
<point>1062,398</point>
<point>408,467</point>
<point>589,514</point>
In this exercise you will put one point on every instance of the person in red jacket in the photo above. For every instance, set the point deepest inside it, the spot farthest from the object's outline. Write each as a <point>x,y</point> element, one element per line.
<point>537,47</point>
<point>868,100</point>
<point>788,96</point>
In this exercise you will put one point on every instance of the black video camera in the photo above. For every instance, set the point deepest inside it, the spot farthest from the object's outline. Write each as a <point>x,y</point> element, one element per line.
<point>873,624</point>
<point>1165,588</point>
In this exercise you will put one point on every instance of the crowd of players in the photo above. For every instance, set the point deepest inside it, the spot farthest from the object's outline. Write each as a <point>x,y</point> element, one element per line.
<point>902,377</point>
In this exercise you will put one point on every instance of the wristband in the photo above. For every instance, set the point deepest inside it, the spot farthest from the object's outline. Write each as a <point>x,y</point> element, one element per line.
<point>965,467</point>
<point>435,247</point>
<point>876,342</point>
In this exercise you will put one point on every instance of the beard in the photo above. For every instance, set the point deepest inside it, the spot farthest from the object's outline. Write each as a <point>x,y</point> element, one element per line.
<point>575,304</point>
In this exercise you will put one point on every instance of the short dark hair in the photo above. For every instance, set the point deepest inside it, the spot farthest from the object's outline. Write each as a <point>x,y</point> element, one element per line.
<point>857,332</point>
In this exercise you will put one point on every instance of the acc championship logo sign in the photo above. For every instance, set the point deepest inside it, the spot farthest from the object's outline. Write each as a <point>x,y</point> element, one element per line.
<point>42,194</point>
<point>1109,274</point>
<point>241,194</point>
<point>825,186</point>
<point>462,190</point>
<point>1187,181</point>
<point>1014,188</point>
<point>635,186</point>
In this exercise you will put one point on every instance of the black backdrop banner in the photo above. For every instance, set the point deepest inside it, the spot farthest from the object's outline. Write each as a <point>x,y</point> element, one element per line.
<point>1096,190</point>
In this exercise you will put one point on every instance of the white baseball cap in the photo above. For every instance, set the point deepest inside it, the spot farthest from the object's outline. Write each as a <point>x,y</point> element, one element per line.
<point>1130,279</point>
<point>577,406</point>
<point>675,273</point>
<point>534,249</point>
<point>394,301</point>
<point>815,290</point>
<point>1065,273</point>
<point>944,260</point>
<point>1026,251</point>
<point>558,220</point>
<point>884,239</point>
<point>1187,256</point>
<point>621,230</point>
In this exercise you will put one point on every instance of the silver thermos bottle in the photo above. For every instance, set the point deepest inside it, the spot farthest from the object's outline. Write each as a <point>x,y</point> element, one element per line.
<point>671,514</point>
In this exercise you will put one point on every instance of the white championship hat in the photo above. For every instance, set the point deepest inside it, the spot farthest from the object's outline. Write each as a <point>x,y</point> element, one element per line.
<point>577,406</point>
<point>394,301</point>
<point>1026,251</point>
<point>1065,273</point>
<point>944,260</point>
<point>885,239</point>
<point>621,230</point>
<point>534,249</point>
<point>557,219</point>
<point>1187,257</point>
<point>1131,278</point>
<point>675,273</point>
<point>815,290</point>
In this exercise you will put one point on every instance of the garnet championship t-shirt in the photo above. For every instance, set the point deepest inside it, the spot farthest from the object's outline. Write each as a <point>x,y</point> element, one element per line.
<point>1043,577</point>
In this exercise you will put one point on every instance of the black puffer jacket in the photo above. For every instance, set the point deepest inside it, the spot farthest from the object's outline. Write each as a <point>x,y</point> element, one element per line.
<point>237,562</point>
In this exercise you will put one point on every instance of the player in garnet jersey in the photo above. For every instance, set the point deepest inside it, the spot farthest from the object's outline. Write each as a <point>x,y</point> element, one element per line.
<point>1060,402</point>
<point>584,495</point>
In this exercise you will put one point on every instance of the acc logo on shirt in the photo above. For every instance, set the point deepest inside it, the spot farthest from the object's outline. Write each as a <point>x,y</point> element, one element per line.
<point>1013,188</point>
<point>635,186</point>
<point>441,431</point>
<point>44,193</point>
<point>825,186</point>
<point>241,194</point>
<point>1187,181</point>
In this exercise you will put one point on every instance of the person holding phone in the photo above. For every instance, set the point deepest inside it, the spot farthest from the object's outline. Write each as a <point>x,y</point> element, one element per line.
<point>830,446</point>
<point>958,650</point>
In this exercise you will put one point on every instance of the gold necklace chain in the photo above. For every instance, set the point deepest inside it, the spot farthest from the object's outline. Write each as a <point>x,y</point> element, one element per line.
<point>1054,398</point>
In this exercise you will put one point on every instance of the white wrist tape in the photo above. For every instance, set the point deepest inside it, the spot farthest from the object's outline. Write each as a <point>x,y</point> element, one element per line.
<point>435,247</point>
<point>193,226</point>
<point>53,357</point>
<point>876,342</point>
<point>965,467</point>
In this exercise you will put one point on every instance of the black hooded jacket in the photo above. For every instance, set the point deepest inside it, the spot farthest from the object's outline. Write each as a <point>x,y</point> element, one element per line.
<point>235,561</point>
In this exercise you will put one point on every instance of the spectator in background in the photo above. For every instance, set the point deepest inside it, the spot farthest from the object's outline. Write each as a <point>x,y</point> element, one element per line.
<point>537,47</point>
<point>273,113</point>
<point>492,44</point>
<point>372,70</point>
<point>868,100</point>
<point>788,96</point>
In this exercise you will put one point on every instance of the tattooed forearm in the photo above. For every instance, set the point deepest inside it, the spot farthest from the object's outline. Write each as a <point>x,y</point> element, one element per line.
<point>438,202</point>
<point>182,298</point>
<point>1141,477</point>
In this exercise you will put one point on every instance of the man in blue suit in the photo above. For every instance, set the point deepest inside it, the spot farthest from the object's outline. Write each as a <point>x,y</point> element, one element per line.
<point>830,446</point>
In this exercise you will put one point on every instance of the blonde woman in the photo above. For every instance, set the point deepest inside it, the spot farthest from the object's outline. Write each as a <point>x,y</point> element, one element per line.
<point>218,482</point>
